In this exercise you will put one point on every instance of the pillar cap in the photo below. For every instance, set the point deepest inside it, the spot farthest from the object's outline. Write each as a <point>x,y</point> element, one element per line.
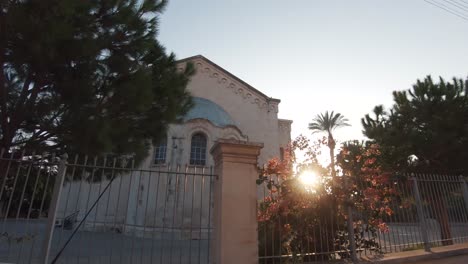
<point>232,150</point>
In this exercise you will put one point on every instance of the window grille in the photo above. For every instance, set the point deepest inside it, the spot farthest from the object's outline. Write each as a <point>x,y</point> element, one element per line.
<point>198,150</point>
<point>160,151</point>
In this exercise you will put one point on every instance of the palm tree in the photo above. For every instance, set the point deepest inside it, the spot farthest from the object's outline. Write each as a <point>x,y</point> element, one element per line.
<point>327,123</point>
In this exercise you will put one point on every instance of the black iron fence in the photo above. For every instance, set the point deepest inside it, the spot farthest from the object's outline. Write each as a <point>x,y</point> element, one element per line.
<point>422,211</point>
<point>102,210</point>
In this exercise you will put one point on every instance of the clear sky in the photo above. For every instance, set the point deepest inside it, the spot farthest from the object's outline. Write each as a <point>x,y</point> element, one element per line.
<point>317,55</point>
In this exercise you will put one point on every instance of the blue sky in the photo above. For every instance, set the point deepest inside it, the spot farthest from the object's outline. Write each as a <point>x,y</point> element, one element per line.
<point>317,55</point>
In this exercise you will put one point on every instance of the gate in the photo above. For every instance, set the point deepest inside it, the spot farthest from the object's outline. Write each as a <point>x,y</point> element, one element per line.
<point>106,211</point>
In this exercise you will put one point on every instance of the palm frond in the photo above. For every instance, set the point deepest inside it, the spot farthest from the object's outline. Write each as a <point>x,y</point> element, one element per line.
<point>327,122</point>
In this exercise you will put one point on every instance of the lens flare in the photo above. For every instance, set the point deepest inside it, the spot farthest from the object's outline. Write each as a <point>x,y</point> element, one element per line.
<point>309,178</point>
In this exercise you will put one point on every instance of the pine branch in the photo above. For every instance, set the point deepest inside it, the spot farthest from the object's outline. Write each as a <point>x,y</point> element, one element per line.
<point>24,93</point>
<point>18,115</point>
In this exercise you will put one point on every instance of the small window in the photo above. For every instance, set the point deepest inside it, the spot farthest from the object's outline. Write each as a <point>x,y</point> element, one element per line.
<point>160,150</point>
<point>198,150</point>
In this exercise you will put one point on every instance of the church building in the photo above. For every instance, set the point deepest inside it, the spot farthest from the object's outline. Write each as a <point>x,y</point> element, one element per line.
<point>167,193</point>
<point>225,107</point>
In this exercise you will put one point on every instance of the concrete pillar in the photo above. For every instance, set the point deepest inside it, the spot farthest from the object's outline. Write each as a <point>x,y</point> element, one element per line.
<point>234,237</point>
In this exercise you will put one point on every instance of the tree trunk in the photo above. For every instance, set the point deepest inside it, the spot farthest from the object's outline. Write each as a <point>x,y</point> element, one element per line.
<point>3,105</point>
<point>435,198</point>
<point>331,146</point>
<point>6,135</point>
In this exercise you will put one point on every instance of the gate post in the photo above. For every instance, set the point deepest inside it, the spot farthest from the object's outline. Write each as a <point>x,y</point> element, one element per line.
<point>235,238</point>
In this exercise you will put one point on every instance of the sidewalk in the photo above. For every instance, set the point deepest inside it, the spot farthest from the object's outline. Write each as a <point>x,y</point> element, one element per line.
<point>462,259</point>
<point>453,254</point>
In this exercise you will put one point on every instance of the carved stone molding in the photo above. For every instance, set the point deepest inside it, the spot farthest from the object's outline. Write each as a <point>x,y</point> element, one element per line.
<point>212,131</point>
<point>237,88</point>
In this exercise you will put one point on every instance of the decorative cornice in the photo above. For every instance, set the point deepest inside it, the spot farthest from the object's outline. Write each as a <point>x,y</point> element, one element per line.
<point>235,151</point>
<point>284,125</point>
<point>231,82</point>
<point>284,128</point>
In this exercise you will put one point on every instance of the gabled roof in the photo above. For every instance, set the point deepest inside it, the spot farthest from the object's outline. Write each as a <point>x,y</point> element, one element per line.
<point>230,75</point>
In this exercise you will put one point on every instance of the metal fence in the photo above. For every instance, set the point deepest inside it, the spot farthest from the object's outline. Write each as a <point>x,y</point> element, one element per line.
<point>102,210</point>
<point>427,211</point>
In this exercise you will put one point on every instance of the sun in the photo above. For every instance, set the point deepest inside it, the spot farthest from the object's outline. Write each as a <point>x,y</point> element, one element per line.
<point>309,178</point>
<point>323,158</point>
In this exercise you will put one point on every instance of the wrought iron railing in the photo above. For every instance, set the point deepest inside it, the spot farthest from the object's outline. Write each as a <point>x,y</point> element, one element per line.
<point>426,211</point>
<point>121,213</point>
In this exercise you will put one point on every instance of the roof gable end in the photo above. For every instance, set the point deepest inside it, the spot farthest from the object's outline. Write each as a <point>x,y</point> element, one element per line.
<point>231,82</point>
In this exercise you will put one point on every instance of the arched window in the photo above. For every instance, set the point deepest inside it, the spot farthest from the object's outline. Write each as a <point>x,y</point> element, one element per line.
<point>160,150</point>
<point>198,150</point>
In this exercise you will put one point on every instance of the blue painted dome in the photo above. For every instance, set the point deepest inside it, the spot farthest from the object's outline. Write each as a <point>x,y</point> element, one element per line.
<point>206,109</point>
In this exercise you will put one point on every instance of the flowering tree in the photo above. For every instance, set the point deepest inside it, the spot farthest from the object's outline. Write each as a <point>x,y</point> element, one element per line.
<point>306,221</point>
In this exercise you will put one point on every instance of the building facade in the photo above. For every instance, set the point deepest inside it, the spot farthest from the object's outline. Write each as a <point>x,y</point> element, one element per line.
<point>225,108</point>
<point>171,192</point>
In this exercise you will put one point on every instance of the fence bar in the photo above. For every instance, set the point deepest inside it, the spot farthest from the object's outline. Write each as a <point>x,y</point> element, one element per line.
<point>52,214</point>
<point>352,242</point>
<point>174,212</point>
<point>422,219</point>
<point>202,183</point>
<point>427,180</point>
<point>155,225</point>
<point>91,185</point>
<point>63,194</point>
<point>78,205</point>
<point>28,217</point>
<point>145,219</point>
<point>124,228</point>
<point>209,212</point>
<point>464,190</point>
<point>444,193</point>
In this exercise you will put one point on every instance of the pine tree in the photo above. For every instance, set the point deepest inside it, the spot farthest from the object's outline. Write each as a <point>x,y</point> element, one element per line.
<point>425,131</point>
<point>86,76</point>
<point>427,124</point>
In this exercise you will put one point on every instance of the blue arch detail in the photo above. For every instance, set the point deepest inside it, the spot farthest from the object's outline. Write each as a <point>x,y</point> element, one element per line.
<point>206,109</point>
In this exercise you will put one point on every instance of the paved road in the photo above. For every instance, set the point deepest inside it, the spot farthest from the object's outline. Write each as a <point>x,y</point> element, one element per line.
<point>112,247</point>
<point>101,247</point>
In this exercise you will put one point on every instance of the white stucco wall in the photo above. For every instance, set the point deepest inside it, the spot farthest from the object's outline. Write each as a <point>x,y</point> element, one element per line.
<point>284,132</point>
<point>255,114</point>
